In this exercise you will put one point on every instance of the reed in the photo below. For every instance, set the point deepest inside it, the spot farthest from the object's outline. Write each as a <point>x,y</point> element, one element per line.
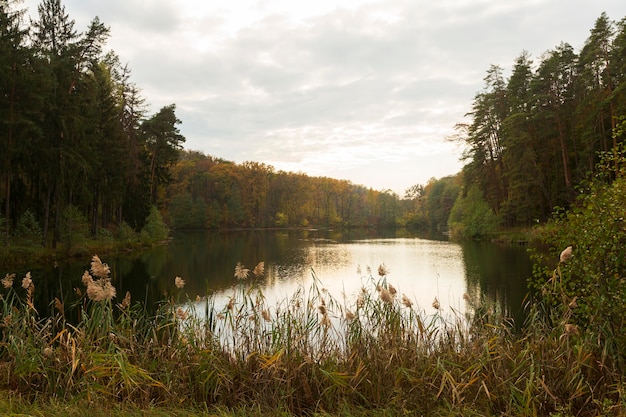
<point>308,353</point>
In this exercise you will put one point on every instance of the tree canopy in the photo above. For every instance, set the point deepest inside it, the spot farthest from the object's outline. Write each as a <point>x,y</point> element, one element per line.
<point>536,135</point>
<point>74,133</point>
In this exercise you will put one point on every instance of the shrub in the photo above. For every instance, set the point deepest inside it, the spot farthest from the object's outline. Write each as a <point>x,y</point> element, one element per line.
<point>28,230</point>
<point>471,217</point>
<point>126,234</point>
<point>587,290</point>
<point>155,230</point>
<point>74,229</point>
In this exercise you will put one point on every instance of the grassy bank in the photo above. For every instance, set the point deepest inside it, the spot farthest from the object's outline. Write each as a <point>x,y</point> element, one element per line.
<point>25,249</point>
<point>309,354</point>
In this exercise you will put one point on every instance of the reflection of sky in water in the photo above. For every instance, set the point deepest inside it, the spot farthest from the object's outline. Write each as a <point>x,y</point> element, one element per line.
<point>421,269</point>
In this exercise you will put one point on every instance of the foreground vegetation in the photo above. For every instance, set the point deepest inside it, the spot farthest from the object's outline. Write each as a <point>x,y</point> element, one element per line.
<point>307,354</point>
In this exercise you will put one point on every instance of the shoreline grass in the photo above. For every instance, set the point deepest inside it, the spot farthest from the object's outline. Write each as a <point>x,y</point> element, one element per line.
<point>309,354</point>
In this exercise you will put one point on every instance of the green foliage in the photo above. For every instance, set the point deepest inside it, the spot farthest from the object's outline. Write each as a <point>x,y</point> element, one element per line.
<point>589,290</point>
<point>163,141</point>
<point>186,213</point>
<point>198,214</point>
<point>125,233</point>
<point>471,217</point>
<point>179,211</point>
<point>282,220</point>
<point>74,229</point>
<point>418,221</point>
<point>441,195</point>
<point>155,230</point>
<point>28,230</point>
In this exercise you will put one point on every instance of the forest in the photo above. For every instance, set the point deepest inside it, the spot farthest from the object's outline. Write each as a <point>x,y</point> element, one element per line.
<point>77,145</point>
<point>537,136</point>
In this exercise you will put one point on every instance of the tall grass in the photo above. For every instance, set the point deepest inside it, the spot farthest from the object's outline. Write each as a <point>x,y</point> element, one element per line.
<point>307,353</point>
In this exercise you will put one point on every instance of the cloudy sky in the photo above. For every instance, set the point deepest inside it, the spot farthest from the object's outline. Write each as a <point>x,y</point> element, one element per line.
<point>363,90</point>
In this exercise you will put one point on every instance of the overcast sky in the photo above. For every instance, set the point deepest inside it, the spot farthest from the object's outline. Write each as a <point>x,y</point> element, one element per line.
<point>360,90</point>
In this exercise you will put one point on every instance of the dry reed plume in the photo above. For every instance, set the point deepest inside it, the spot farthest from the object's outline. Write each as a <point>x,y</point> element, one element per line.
<point>99,289</point>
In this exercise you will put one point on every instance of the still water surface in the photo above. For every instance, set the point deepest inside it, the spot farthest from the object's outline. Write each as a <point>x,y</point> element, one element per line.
<point>422,267</point>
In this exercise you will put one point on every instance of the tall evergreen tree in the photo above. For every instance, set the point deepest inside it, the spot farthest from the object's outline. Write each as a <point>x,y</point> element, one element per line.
<point>553,103</point>
<point>19,106</point>
<point>131,111</point>
<point>484,139</point>
<point>595,113</point>
<point>163,142</point>
<point>68,55</point>
<point>527,197</point>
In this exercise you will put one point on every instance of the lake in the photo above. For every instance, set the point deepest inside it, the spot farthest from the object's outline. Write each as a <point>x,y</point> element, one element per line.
<point>421,266</point>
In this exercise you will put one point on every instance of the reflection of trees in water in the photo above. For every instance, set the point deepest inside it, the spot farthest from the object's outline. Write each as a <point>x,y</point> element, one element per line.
<point>129,272</point>
<point>206,261</point>
<point>498,273</point>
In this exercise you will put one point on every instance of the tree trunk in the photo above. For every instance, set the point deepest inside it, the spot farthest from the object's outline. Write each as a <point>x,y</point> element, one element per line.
<point>564,156</point>
<point>46,218</point>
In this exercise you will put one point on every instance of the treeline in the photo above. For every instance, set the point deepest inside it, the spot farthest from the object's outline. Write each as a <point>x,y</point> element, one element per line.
<point>211,192</point>
<point>76,144</point>
<point>537,135</point>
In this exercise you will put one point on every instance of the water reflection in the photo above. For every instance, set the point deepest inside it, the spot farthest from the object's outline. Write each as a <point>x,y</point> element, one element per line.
<point>422,267</point>
<point>498,273</point>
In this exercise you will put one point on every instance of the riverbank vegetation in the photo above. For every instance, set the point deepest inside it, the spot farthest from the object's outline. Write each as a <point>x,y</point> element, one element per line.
<point>377,352</point>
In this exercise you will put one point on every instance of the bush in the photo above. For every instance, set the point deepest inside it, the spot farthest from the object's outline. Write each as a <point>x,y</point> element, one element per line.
<point>471,217</point>
<point>587,291</point>
<point>28,230</point>
<point>155,229</point>
<point>74,229</point>
<point>126,234</point>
